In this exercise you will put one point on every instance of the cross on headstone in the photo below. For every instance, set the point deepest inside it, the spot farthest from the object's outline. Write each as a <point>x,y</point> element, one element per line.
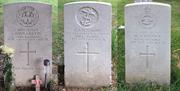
<point>87,53</point>
<point>37,82</point>
<point>28,52</point>
<point>147,54</point>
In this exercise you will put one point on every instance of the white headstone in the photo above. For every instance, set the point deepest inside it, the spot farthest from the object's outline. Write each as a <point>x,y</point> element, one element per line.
<point>87,27</point>
<point>27,29</point>
<point>147,42</point>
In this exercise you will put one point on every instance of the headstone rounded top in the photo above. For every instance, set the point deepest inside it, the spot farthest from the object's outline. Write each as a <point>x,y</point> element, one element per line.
<point>15,3</point>
<point>136,1</point>
<point>147,3</point>
<point>89,2</point>
<point>87,14</point>
<point>27,14</point>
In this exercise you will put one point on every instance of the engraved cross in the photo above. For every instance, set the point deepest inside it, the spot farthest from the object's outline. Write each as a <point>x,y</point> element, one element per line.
<point>147,54</point>
<point>87,53</point>
<point>28,52</point>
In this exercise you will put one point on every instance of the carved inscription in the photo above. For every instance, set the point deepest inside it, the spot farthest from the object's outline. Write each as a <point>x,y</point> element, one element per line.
<point>147,54</point>
<point>87,17</point>
<point>147,19</point>
<point>27,16</point>
<point>28,52</point>
<point>146,37</point>
<point>87,53</point>
<point>26,34</point>
<point>90,34</point>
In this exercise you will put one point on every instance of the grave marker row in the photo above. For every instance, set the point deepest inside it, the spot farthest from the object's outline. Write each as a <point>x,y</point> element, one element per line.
<point>87,42</point>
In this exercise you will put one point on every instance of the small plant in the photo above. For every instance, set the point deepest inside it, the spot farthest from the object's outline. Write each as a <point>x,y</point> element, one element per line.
<point>7,54</point>
<point>53,85</point>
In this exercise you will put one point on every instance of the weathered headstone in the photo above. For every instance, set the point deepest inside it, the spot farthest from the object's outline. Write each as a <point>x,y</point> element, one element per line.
<point>27,29</point>
<point>143,0</point>
<point>148,27</point>
<point>87,27</point>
